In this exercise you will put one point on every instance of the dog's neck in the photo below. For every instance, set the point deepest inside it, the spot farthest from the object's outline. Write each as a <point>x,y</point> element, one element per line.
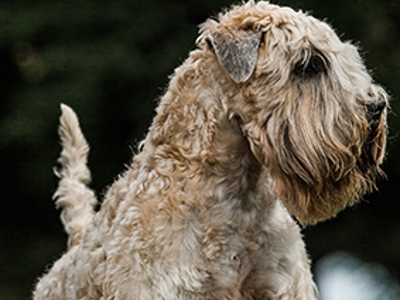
<point>197,135</point>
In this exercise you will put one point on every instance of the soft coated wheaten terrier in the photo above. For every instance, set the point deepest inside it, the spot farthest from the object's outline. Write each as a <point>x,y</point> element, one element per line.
<point>271,117</point>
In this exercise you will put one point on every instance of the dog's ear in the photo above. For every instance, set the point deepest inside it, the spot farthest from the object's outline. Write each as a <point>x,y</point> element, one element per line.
<point>236,51</point>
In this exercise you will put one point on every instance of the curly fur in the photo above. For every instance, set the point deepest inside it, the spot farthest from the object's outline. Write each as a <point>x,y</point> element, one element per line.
<point>272,115</point>
<point>72,195</point>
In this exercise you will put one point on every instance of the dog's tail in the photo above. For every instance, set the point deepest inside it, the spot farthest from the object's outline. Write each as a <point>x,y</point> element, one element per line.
<point>73,196</point>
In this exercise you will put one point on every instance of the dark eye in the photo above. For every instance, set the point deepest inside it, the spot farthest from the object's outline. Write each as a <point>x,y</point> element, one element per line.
<point>310,67</point>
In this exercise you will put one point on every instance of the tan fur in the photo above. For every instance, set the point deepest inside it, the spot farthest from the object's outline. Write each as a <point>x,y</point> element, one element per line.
<point>72,195</point>
<point>272,113</point>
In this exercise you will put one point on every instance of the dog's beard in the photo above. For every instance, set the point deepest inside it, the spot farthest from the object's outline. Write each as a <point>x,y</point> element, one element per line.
<point>322,159</point>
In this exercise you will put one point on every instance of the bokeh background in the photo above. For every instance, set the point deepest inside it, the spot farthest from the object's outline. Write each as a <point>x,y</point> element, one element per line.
<point>110,61</point>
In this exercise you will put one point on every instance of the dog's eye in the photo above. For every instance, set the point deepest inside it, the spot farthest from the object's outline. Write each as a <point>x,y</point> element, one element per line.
<point>311,67</point>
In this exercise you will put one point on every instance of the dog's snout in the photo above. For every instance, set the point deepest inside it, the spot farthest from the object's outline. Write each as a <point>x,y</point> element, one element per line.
<point>375,110</point>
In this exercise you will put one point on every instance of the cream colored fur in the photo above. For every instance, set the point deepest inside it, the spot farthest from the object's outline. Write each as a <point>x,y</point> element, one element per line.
<point>271,116</point>
<point>72,195</point>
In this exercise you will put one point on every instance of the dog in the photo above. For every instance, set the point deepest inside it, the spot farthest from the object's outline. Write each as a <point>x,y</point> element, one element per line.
<point>271,124</point>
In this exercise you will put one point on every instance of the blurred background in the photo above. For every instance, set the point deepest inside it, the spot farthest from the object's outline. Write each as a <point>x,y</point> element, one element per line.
<point>110,61</point>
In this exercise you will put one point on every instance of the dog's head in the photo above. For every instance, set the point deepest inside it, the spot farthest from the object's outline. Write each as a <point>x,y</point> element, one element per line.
<point>306,103</point>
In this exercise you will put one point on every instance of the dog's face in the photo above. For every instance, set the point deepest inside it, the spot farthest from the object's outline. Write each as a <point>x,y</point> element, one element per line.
<point>306,103</point>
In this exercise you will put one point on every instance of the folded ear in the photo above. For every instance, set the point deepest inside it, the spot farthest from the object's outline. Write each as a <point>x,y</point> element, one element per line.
<point>236,51</point>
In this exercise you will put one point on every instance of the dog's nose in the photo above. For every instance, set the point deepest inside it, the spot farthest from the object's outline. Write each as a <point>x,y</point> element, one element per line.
<point>375,109</point>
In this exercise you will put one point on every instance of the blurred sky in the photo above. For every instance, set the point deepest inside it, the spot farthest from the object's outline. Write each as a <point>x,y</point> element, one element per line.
<point>340,276</point>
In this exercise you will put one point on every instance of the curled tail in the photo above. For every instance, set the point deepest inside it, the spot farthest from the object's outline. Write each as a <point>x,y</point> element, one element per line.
<point>73,196</point>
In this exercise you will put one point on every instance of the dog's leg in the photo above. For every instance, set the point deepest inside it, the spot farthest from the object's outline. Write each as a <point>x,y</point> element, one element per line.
<point>73,195</point>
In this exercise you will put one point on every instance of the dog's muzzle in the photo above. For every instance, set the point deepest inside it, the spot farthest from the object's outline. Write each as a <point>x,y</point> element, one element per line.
<point>375,110</point>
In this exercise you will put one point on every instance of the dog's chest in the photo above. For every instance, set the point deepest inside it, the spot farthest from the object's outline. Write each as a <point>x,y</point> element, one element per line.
<point>227,253</point>
<point>229,244</point>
